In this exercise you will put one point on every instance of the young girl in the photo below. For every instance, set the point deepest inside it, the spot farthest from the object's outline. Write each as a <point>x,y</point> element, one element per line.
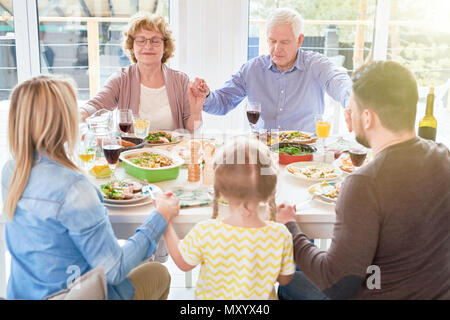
<point>242,256</point>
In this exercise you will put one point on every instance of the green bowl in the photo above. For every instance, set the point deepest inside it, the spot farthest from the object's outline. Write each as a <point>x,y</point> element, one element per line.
<point>152,174</point>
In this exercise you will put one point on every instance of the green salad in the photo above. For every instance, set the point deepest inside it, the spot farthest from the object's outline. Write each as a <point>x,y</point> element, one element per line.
<point>293,150</point>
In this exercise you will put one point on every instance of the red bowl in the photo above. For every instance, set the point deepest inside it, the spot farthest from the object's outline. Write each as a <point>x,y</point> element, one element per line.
<point>284,158</point>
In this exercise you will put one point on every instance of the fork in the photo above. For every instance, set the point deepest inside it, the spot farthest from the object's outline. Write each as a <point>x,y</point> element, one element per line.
<point>147,189</point>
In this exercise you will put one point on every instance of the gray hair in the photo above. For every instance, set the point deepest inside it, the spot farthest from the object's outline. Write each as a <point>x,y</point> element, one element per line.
<point>286,16</point>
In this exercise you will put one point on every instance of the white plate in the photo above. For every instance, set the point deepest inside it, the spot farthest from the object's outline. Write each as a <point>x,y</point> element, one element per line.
<point>318,165</point>
<point>127,201</point>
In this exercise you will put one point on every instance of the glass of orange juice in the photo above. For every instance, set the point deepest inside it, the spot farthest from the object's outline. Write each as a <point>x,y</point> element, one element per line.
<point>323,128</point>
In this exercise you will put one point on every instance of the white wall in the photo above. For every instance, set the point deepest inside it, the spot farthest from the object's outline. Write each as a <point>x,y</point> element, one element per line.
<point>211,43</point>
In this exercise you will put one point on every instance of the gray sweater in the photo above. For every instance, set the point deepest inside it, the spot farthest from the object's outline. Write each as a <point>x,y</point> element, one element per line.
<point>394,214</point>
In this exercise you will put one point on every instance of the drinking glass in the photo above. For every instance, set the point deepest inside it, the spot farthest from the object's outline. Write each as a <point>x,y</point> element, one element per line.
<point>357,155</point>
<point>141,127</point>
<point>86,151</point>
<point>253,113</point>
<point>323,127</point>
<point>125,121</point>
<point>112,146</point>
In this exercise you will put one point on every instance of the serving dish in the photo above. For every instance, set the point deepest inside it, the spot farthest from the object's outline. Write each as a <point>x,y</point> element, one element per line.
<point>151,174</point>
<point>138,143</point>
<point>293,152</point>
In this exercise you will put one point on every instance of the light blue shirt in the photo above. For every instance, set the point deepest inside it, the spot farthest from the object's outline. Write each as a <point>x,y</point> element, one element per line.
<point>289,99</point>
<point>61,228</point>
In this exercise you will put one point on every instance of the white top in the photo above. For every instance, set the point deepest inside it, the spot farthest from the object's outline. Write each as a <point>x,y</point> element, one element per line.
<point>154,106</point>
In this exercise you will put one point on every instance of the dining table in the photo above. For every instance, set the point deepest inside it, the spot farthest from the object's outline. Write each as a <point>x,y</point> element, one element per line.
<point>315,218</point>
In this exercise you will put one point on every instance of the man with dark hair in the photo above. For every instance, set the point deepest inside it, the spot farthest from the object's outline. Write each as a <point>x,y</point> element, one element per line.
<point>391,237</point>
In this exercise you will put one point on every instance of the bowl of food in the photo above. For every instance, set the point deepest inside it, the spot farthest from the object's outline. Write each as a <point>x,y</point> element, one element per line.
<point>293,152</point>
<point>151,164</point>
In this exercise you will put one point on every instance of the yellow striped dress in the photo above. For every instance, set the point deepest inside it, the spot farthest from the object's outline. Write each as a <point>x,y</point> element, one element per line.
<point>238,263</point>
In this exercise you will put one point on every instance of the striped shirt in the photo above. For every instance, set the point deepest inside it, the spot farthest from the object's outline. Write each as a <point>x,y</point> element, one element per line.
<point>236,262</point>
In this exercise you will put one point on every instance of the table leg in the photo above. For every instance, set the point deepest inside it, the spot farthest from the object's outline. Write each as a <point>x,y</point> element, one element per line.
<point>188,279</point>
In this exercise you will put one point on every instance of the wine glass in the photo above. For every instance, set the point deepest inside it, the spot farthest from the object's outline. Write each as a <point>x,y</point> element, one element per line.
<point>357,155</point>
<point>253,113</point>
<point>86,151</point>
<point>125,121</point>
<point>323,127</point>
<point>141,127</point>
<point>112,146</point>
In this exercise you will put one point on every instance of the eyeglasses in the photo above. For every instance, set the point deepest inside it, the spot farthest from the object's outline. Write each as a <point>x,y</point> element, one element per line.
<point>155,41</point>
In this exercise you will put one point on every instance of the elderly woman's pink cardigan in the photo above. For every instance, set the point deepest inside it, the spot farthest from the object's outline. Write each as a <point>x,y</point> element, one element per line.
<point>123,90</point>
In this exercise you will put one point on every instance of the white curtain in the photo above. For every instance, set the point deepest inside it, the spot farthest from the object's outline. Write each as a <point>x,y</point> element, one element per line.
<point>211,43</point>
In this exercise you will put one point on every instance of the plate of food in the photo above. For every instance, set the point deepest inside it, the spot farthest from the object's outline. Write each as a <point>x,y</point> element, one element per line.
<point>313,171</point>
<point>163,138</point>
<point>325,191</point>
<point>122,191</point>
<point>290,136</point>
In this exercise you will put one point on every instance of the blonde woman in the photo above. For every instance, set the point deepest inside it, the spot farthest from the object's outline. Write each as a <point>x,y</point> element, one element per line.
<point>148,86</point>
<point>242,255</point>
<point>58,228</point>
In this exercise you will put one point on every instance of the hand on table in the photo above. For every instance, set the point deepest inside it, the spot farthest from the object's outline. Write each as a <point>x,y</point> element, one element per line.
<point>286,213</point>
<point>168,205</point>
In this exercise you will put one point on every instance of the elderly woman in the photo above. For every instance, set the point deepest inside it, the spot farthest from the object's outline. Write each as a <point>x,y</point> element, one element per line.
<point>149,87</point>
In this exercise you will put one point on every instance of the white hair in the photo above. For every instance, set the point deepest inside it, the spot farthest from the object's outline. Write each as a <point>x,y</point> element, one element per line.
<point>286,16</point>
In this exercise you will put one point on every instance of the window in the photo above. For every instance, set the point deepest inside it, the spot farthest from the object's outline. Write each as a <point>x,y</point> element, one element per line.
<point>419,38</point>
<point>8,66</point>
<point>340,29</point>
<point>82,39</point>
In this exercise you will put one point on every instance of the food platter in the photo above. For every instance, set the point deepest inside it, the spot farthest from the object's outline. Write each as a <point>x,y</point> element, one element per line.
<point>160,138</point>
<point>313,171</point>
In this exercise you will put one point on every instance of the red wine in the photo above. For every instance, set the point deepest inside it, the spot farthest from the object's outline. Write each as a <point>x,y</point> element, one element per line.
<point>125,126</point>
<point>253,116</point>
<point>112,153</point>
<point>357,157</point>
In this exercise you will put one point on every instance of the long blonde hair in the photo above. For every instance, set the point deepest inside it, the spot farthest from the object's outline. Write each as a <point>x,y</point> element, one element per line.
<point>244,170</point>
<point>43,116</point>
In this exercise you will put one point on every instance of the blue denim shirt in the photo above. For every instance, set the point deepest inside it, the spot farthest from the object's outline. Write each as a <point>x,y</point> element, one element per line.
<point>61,230</point>
<point>289,99</point>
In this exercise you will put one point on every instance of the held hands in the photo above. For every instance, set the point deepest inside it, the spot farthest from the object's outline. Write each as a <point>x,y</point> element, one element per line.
<point>285,213</point>
<point>168,205</point>
<point>198,90</point>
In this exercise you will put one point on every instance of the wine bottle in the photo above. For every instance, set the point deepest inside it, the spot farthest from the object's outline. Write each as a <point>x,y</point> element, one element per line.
<point>428,124</point>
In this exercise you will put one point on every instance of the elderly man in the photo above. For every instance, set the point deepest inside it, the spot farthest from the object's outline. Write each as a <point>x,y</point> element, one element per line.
<point>289,83</point>
<point>391,238</point>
